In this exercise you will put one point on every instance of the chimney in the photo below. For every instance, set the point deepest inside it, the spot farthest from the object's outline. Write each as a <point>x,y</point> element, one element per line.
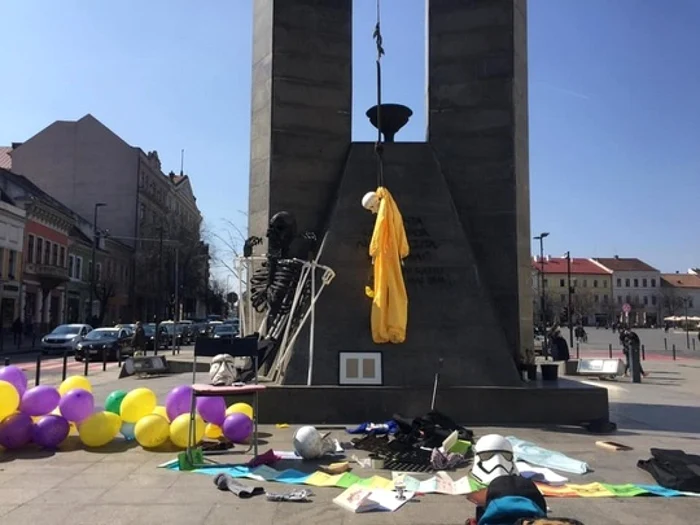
<point>617,256</point>
<point>16,145</point>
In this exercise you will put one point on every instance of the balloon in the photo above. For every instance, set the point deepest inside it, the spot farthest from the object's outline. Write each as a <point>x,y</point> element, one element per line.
<point>50,431</point>
<point>179,430</point>
<point>212,409</point>
<point>238,427</point>
<point>76,405</point>
<point>127,430</point>
<point>152,431</point>
<point>179,401</point>
<point>15,376</point>
<point>136,404</point>
<point>39,400</point>
<point>9,399</point>
<point>73,383</point>
<point>161,411</point>
<point>99,429</point>
<point>240,408</point>
<point>213,431</point>
<point>16,431</point>
<point>114,400</point>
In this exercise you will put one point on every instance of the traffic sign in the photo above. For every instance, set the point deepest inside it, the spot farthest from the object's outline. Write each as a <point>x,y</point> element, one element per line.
<point>626,308</point>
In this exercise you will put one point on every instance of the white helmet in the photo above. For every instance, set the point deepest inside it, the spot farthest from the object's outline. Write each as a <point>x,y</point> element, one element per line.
<point>310,444</point>
<point>493,457</point>
<point>371,202</point>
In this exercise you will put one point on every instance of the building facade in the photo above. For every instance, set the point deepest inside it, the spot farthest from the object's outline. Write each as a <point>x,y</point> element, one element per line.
<point>12,224</point>
<point>680,294</point>
<point>591,291</point>
<point>82,163</point>
<point>635,283</point>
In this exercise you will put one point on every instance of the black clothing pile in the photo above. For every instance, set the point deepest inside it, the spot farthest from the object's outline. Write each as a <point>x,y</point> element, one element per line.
<point>673,469</point>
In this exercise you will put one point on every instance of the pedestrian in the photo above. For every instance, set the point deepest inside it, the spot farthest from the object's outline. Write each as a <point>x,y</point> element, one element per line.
<point>631,346</point>
<point>17,331</point>
<point>560,348</point>
<point>138,341</point>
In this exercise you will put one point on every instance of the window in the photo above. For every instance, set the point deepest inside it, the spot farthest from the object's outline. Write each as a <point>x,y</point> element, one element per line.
<point>88,277</point>
<point>605,284</point>
<point>636,299</point>
<point>98,272</point>
<point>562,298</point>
<point>619,299</point>
<point>71,266</point>
<point>644,283</point>
<point>39,248</point>
<point>646,300</point>
<point>54,259</point>
<point>573,282</point>
<point>690,302</point>
<point>627,283</point>
<point>2,261</point>
<point>585,283</point>
<point>596,298</point>
<point>628,299</point>
<point>62,260</point>
<point>11,266</point>
<point>561,283</point>
<point>142,211</point>
<point>636,283</point>
<point>653,300</point>
<point>544,283</point>
<point>653,283</point>
<point>360,368</point>
<point>30,249</point>
<point>619,283</point>
<point>79,268</point>
<point>595,283</point>
<point>47,253</point>
<point>605,299</point>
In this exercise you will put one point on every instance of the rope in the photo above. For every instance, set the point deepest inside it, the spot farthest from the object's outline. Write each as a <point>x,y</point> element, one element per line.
<point>379,147</point>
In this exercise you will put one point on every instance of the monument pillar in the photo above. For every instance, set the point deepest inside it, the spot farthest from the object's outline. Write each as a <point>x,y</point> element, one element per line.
<point>478,127</point>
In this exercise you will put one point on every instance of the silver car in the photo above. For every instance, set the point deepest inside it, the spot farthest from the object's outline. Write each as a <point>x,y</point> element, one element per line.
<point>64,338</point>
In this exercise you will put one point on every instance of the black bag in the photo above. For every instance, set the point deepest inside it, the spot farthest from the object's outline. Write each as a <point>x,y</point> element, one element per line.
<point>673,469</point>
<point>429,430</point>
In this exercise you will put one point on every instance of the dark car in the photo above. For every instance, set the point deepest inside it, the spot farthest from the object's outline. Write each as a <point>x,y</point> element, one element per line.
<point>223,331</point>
<point>150,331</point>
<point>101,340</point>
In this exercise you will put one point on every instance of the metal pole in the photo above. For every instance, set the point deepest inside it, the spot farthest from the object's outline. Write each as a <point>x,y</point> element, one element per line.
<point>687,333</point>
<point>568,279</point>
<point>610,350</point>
<point>92,259</point>
<point>38,370</point>
<point>312,329</point>
<point>666,344</point>
<point>64,370</point>
<point>674,351</point>
<point>177,297</point>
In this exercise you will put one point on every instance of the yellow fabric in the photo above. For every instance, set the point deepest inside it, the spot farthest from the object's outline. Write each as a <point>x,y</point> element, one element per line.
<point>387,247</point>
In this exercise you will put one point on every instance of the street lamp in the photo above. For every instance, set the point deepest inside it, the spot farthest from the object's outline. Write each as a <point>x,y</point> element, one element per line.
<point>98,205</point>
<point>568,284</point>
<point>686,300</point>
<point>543,320</point>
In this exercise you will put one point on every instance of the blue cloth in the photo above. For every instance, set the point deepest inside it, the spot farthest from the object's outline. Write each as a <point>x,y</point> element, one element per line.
<point>541,457</point>
<point>658,490</point>
<point>509,509</point>
<point>388,427</point>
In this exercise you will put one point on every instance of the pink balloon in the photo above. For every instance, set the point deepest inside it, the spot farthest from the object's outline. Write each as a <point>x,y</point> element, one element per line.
<point>39,400</point>
<point>237,427</point>
<point>212,409</point>
<point>15,376</point>
<point>76,405</point>
<point>50,431</point>
<point>179,401</point>
<point>16,431</point>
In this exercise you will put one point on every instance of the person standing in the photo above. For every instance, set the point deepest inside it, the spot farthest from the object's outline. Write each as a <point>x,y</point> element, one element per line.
<point>631,346</point>
<point>138,341</point>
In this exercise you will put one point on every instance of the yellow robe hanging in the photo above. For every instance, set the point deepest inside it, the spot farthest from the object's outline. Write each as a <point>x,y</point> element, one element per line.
<point>387,247</point>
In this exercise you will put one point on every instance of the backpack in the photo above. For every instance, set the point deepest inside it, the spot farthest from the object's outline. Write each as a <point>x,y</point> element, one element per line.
<point>673,469</point>
<point>509,499</point>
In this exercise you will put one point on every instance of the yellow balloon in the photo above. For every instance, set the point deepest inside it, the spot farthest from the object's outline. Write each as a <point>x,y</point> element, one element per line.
<point>161,411</point>
<point>99,429</point>
<point>242,408</point>
<point>136,404</point>
<point>9,399</point>
<point>152,431</point>
<point>179,430</point>
<point>73,382</point>
<point>213,431</point>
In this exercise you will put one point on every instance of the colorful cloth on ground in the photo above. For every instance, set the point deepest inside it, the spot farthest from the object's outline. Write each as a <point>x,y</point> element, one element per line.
<point>441,483</point>
<point>541,457</point>
<point>387,248</point>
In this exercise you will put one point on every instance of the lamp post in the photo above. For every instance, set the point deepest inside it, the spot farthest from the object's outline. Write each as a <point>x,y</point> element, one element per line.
<point>568,284</point>
<point>686,300</point>
<point>543,319</point>
<point>98,205</point>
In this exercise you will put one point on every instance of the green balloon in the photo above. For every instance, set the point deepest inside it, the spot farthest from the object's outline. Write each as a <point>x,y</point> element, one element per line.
<point>114,401</point>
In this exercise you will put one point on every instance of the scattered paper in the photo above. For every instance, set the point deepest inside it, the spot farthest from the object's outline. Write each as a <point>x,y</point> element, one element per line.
<point>361,499</point>
<point>287,454</point>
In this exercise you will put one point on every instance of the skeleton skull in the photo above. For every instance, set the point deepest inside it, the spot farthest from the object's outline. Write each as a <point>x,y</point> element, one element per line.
<point>371,202</point>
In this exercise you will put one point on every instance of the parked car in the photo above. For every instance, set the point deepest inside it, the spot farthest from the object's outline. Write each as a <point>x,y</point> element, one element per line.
<point>110,340</point>
<point>150,331</point>
<point>64,338</point>
<point>224,330</point>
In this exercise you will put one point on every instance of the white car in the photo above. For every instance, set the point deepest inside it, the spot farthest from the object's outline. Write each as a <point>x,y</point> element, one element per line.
<point>64,338</point>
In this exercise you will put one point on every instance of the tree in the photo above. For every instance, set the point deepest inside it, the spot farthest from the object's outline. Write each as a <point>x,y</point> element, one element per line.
<point>104,290</point>
<point>671,301</point>
<point>229,245</point>
<point>217,299</point>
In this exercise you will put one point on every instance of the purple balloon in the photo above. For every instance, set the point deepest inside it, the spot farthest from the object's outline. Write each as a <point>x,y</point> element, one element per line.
<point>39,400</point>
<point>16,431</point>
<point>212,409</point>
<point>15,376</point>
<point>179,401</point>
<point>76,405</point>
<point>237,427</point>
<point>50,431</point>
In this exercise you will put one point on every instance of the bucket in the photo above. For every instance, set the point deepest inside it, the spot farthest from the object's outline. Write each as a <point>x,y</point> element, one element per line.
<point>531,371</point>
<point>550,371</point>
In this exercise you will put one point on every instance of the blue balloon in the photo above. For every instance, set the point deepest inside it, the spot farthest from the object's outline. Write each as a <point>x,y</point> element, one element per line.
<point>127,431</point>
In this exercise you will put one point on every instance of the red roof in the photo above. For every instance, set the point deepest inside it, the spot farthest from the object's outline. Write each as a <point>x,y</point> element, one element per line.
<point>625,264</point>
<point>5,159</point>
<point>579,266</point>
<point>680,280</point>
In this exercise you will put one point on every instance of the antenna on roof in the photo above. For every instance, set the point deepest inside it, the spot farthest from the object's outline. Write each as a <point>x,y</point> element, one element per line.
<point>182,162</point>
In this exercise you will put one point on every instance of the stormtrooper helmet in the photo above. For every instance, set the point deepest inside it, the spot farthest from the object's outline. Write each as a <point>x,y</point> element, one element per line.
<point>371,202</point>
<point>309,443</point>
<point>493,457</point>
<point>222,371</point>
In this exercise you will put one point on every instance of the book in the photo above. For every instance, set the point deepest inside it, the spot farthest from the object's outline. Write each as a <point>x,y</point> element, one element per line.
<point>361,499</point>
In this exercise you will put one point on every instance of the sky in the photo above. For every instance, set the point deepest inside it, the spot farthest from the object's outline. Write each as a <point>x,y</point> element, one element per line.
<point>614,108</point>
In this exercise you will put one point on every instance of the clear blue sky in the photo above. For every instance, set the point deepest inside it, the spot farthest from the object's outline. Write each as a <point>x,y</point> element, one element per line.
<point>614,110</point>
